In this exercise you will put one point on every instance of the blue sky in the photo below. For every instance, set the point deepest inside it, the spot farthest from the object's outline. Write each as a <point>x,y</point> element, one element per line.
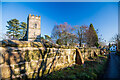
<point>59,0</point>
<point>103,16</point>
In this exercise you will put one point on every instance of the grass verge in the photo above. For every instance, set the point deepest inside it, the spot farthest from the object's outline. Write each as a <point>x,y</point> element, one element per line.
<point>90,70</point>
<point>118,53</point>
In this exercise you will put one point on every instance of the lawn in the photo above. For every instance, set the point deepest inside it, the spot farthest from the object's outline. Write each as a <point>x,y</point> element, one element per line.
<point>90,70</point>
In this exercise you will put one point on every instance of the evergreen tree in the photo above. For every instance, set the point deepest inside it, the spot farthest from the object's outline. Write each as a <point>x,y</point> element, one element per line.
<point>13,29</point>
<point>24,29</point>
<point>48,37</point>
<point>92,37</point>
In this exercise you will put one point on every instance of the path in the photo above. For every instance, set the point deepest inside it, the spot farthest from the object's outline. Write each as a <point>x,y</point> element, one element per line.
<point>112,71</point>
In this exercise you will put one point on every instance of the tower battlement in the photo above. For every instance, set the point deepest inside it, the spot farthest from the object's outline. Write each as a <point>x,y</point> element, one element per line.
<point>34,16</point>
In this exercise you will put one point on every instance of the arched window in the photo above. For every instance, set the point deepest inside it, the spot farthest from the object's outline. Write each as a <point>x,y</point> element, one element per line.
<point>35,25</point>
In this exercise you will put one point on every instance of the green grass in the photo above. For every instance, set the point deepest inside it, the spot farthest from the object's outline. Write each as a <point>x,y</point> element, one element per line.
<point>89,71</point>
<point>118,53</point>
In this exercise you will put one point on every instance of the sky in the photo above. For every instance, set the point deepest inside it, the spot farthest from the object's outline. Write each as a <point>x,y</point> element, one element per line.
<point>59,0</point>
<point>103,15</point>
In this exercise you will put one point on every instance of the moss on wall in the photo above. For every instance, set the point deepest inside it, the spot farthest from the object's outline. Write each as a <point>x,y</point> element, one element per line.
<point>16,43</point>
<point>42,58</point>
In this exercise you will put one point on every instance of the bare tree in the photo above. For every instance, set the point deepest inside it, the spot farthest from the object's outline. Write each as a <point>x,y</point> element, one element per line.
<point>62,34</point>
<point>80,34</point>
<point>116,38</point>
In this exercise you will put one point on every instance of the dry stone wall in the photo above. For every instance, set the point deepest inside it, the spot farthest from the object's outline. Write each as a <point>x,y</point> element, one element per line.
<point>16,62</point>
<point>32,59</point>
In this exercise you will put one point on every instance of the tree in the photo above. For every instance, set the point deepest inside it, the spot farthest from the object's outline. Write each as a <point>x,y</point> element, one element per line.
<point>80,34</point>
<point>42,38</point>
<point>72,39</point>
<point>61,34</point>
<point>48,37</point>
<point>59,42</point>
<point>24,29</point>
<point>13,29</point>
<point>116,38</point>
<point>92,37</point>
<point>101,44</point>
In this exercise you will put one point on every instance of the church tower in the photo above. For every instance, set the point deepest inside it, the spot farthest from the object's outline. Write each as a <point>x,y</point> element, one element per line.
<point>33,28</point>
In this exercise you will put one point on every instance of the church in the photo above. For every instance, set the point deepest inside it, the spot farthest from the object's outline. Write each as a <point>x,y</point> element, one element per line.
<point>33,32</point>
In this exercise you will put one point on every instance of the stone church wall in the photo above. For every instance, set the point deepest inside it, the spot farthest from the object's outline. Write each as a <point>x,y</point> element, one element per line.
<point>33,28</point>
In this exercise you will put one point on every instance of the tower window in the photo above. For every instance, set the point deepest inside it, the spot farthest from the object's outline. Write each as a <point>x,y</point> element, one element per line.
<point>35,25</point>
<point>34,33</point>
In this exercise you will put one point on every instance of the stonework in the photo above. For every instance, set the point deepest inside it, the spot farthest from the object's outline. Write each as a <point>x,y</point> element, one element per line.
<point>32,58</point>
<point>33,28</point>
<point>31,61</point>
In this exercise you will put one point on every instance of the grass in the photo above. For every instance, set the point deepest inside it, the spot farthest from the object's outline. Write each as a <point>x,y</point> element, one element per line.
<point>90,70</point>
<point>118,53</point>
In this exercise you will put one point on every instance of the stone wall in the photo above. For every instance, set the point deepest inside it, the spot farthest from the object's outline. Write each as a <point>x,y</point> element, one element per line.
<point>32,59</point>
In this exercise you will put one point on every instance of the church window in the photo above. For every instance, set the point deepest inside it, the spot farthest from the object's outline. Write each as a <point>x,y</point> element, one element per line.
<point>35,25</point>
<point>34,33</point>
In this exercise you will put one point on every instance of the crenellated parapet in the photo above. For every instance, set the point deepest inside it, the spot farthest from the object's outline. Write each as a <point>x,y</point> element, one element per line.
<point>34,17</point>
